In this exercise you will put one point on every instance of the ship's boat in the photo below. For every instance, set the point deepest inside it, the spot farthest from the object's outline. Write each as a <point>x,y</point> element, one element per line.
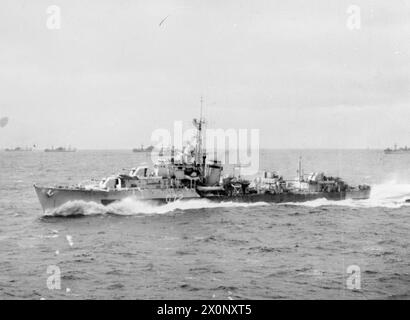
<point>188,175</point>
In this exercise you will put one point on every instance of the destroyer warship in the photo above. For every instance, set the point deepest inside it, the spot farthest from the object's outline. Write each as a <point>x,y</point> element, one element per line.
<point>188,175</point>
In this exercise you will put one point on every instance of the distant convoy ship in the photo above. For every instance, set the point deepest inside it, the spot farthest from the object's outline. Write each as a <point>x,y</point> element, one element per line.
<point>18,149</point>
<point>142,149</point>
<point>188,175</point>
<point>148,150</point>
<point>52,149</point>
<point>60,149</point>
<point>396,150</point>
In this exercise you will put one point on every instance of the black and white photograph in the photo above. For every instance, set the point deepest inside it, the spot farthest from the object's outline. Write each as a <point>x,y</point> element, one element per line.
<point>202,150</point>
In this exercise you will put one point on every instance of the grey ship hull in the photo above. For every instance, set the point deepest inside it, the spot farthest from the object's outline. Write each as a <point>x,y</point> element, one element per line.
<point>52,198</point>
<point>397,151</point>
<point>293,196</point>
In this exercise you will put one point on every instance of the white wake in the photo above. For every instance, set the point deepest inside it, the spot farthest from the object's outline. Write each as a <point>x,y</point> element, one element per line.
<point>131,206</point>
<point>387,195</point>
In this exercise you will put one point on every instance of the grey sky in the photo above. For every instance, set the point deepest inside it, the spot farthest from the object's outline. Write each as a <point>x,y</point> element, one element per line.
<point>111,75</point>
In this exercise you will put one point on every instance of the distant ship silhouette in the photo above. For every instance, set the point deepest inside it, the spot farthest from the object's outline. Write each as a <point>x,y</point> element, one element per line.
<point>17,149</point>
<point>142,149</point>
<point>396,150</point>
<point>60,149</point>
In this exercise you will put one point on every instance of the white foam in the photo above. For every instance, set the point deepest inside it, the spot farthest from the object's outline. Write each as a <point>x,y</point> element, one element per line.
<point>130,206</point>
<point>388,195</point>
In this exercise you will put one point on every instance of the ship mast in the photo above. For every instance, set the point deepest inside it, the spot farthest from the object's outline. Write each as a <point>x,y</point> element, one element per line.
<point>198,124</point>
<point>299,171</point>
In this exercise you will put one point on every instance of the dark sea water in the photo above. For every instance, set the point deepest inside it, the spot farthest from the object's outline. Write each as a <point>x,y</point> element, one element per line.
<point>198,250</point>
